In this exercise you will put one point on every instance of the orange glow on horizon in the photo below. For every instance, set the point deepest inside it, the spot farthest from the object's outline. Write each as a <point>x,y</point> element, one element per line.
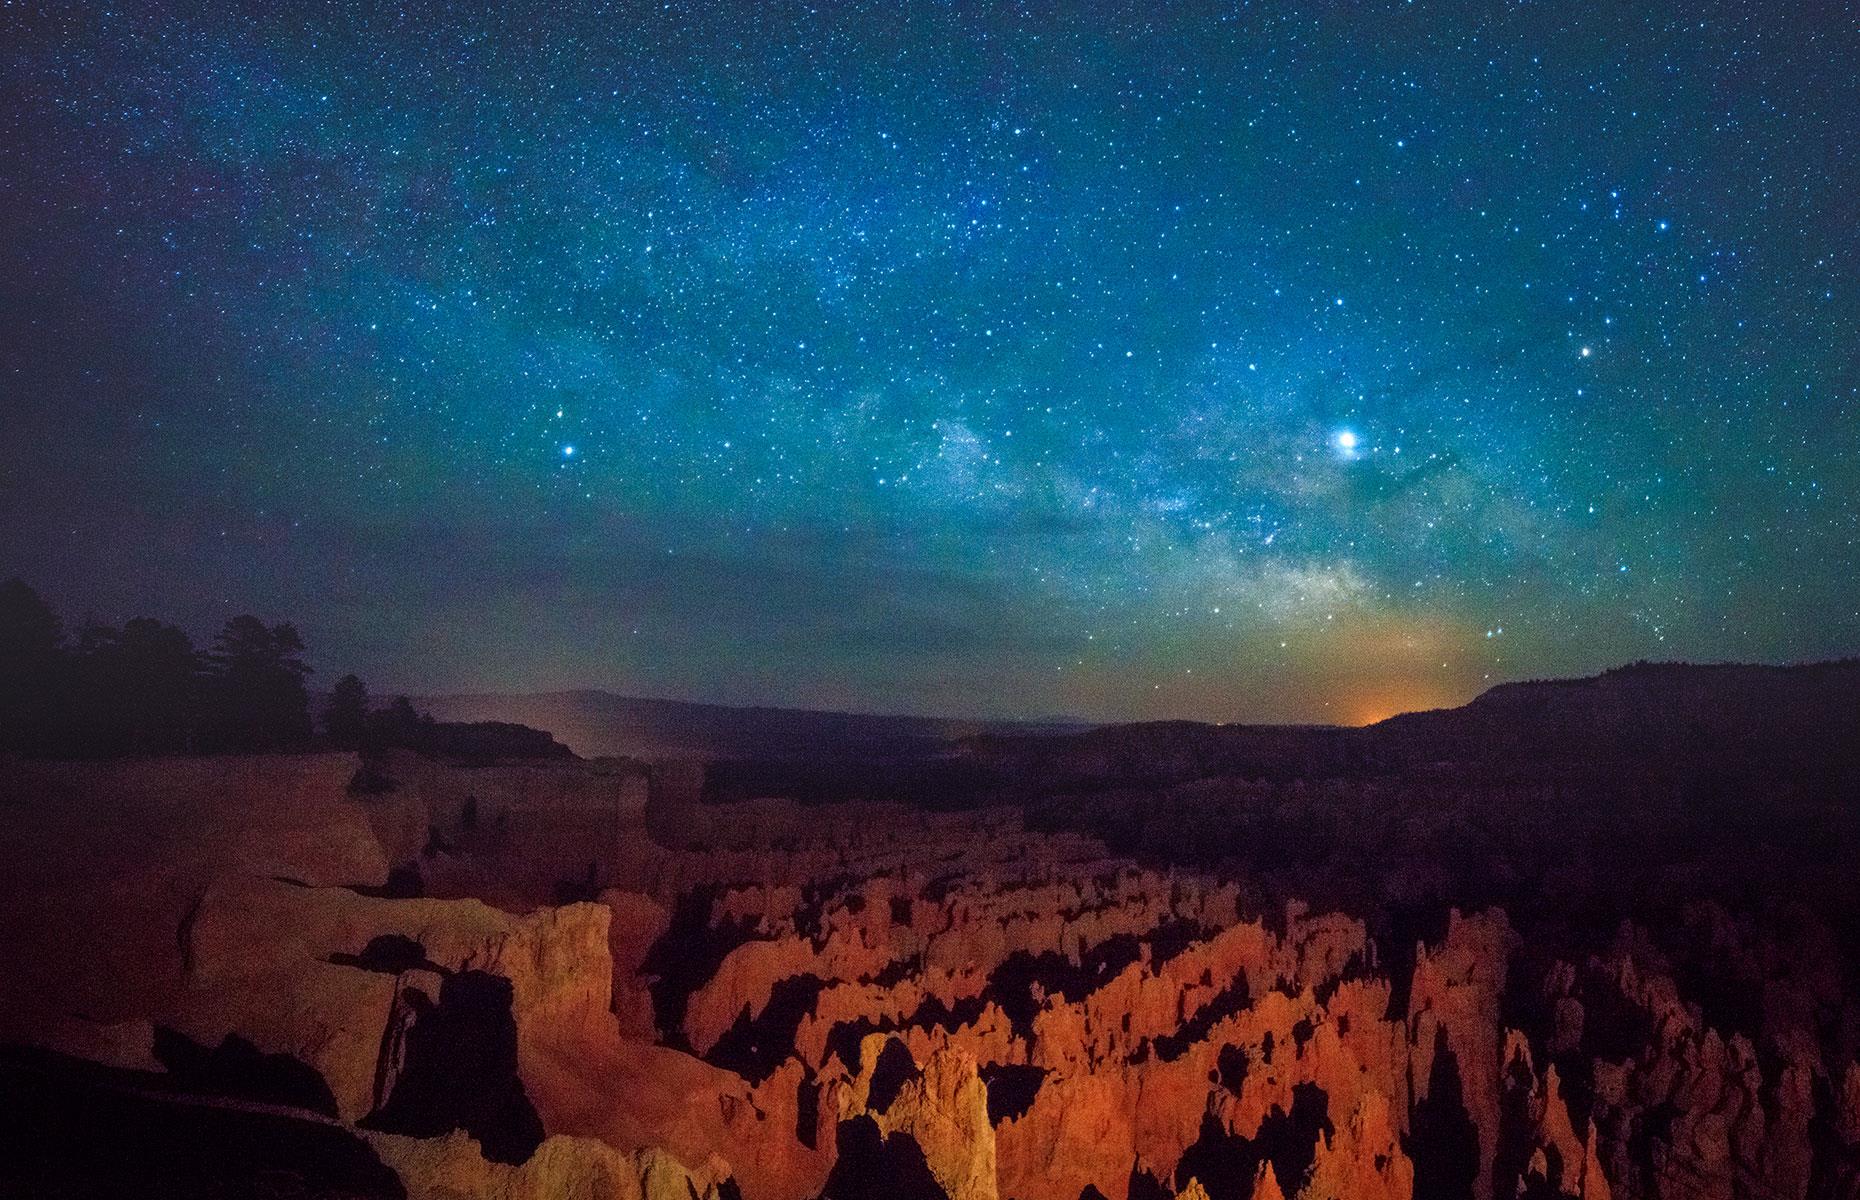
<point>1365,702</point>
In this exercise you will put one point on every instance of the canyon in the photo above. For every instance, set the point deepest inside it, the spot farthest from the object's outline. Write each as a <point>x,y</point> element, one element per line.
<point>1590,939</point>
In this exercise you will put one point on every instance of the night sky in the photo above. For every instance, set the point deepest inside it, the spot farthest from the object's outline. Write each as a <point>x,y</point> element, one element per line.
<point>1241,361</point>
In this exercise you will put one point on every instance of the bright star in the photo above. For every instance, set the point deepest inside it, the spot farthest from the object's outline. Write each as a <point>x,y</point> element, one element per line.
<point>1346,442</point>
<point>568,452</point>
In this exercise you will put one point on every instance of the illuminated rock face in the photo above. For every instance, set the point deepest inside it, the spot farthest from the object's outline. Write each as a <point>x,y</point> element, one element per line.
<point>898,1111</point>
<point>800,1002</point>
<point>453,1167</point>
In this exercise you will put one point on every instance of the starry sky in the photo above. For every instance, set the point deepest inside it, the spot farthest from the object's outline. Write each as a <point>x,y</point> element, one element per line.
<point>1241,361</point>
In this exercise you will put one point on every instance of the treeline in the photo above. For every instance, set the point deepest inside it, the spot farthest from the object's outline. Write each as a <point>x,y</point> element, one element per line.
<point>144,689</point>
<point>351,723</point>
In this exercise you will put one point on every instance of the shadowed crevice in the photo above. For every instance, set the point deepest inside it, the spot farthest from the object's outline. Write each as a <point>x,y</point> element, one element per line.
<point>871,1165</point>
<point>1442,1140</point>
<point>1227,1164</point>
<point>458,1070</point>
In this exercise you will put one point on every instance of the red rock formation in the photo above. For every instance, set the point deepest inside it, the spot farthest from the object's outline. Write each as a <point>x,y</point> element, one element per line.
<point>1362,1160</point>
<point>104,862</point>
<point>943,1108</point>
<point>636,923</point>
<point>452,1167</point>
<point>1068,1020</point>
<point>1453,1003</point>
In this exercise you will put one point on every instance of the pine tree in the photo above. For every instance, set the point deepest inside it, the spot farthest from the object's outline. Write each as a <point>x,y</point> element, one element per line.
<point>257,684</point>
<point>346,718</point>
<point>35,675</point>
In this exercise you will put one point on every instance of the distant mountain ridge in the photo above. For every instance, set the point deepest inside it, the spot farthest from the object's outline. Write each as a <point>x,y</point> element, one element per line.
<point>1652,706</point>
<point>598,724</point>
<point>1660,717</point>
<point>1639,716</point>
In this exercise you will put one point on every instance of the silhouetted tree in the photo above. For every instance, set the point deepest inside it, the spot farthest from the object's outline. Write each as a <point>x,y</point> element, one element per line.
<point>346,718</point>
<point>257,686</point>
<point>402,725</point>
<point>34,671</point>
<point>139,689</point>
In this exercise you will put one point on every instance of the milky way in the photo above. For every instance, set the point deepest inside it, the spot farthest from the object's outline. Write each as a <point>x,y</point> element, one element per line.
<point>1238,361</point>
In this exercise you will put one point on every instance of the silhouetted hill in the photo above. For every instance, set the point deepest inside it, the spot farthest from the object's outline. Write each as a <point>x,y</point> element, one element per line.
<point>1664,718</point>
<point>598,724</point>
<point>1646,713</point>
<point>1653,706</point>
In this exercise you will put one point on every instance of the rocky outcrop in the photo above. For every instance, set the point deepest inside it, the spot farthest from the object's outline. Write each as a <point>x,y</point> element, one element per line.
<point>636,923</point>
<point>1687,1111</point>
<point>1362,1159</point>
<point>452,1167</point>
<point>938,1111</point>
<point>106,863</point>
<point>1454,1036</point>
<point>228,921</point>
<point>320,973</point>
<point>1541,1153</point>
<point>1265,1184</point>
